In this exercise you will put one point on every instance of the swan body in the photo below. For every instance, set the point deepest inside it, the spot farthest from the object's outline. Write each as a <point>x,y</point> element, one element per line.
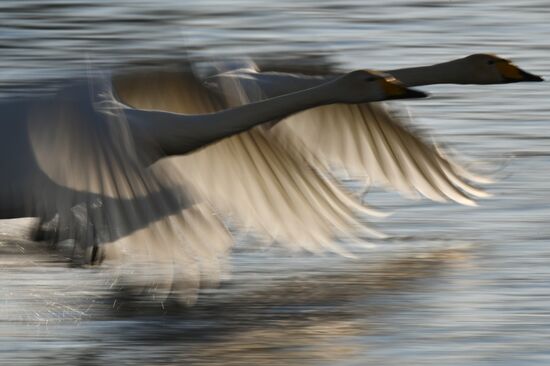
<point>39,132</point>
<point>92,161</point>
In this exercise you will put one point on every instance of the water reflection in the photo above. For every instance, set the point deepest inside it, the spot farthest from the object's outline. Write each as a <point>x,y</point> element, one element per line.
<point>307,318</point>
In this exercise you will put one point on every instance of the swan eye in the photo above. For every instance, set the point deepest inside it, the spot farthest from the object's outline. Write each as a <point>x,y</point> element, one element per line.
<point>491,62</point>
<point>370,78</point>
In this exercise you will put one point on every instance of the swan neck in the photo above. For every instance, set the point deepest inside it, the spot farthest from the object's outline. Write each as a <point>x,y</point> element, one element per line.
<point>442,73</point>
<point>176,134</point>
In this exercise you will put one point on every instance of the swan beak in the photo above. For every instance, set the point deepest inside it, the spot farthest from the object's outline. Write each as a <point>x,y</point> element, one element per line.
<point>413,93</point>
<point>513,74</point>
<point>395,90</point>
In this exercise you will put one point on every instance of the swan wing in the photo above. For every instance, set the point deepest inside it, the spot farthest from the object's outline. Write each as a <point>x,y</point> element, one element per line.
<point>365,139</point>
<point>251,176</point>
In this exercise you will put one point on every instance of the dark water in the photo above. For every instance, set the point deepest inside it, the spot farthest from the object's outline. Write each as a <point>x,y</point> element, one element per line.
<point>453,286</point>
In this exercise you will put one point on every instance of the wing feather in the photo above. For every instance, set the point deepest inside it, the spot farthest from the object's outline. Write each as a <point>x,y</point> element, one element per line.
<point>251,176</point>
<point>365,140</point>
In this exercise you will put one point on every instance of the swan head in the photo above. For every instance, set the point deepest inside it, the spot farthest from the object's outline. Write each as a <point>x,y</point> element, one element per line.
<point>371,86</point>
<point>484,68</point>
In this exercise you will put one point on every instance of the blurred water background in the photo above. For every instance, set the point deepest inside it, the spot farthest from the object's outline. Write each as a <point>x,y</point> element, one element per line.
<point>453,286</point>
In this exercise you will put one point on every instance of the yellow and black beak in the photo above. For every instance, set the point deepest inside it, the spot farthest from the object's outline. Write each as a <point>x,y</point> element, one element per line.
<point>513,74</point>
<point>396,90</point>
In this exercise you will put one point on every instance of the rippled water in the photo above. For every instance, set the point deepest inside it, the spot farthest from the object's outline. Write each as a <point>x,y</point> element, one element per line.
<point>454,285</point>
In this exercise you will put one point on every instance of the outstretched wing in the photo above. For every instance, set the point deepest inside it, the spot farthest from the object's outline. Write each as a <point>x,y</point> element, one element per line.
<point>250,176</point>
<point>366,140</point>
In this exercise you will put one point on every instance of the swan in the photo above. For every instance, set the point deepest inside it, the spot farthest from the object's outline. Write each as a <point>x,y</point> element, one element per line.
<point>90,159</point>
<point>310,206</point>
<point>364,139</point>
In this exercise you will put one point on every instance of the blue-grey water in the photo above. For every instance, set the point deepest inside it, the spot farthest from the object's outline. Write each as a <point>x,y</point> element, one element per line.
<point>452,286</point>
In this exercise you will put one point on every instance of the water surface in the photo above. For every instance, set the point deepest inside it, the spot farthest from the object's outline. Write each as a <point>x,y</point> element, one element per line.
<point>453,286</point>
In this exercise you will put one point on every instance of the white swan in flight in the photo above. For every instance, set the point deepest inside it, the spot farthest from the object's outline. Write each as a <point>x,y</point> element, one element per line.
<point>86,157</point>
<point>310,207</point>
<point>365,139</point>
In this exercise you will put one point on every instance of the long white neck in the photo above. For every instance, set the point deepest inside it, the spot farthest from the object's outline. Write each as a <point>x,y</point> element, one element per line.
<point>442,73</point>
<point>176,134</point>
<point>273,84</point>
